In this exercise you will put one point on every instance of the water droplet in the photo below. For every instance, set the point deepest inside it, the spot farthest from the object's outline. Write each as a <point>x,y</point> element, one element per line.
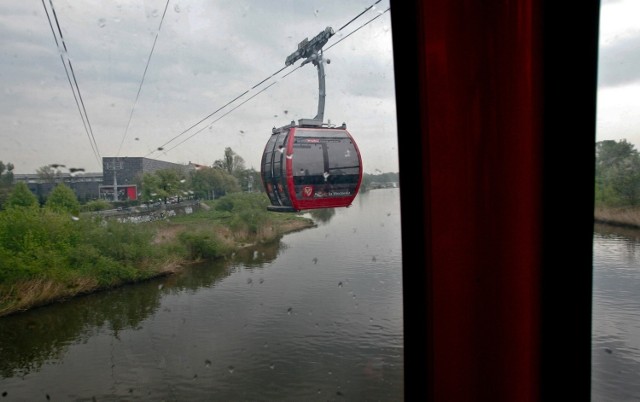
<point>272,366</point>
<point>261,280</point>
<point>315,260</point>
<point>249,281</point>
<point>373,258</point>
<point>102,22</point>
<point>289,310</point>
<point>207,363</point>
<point>176,8</point>
<point>339,284</point>
<point>231,369</point>
<point>160,286</point>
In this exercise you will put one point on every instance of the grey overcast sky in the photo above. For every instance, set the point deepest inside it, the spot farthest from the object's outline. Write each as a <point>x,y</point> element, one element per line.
<point>206,54</point>
<point>209,52</point>
<point>618,115</point>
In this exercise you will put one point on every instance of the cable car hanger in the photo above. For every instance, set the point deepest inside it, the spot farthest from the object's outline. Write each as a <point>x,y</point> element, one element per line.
<point>311,51</point>
<point>325,171</point>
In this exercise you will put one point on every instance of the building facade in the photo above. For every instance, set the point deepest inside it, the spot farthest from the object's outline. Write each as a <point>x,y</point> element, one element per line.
<point>122,174</point>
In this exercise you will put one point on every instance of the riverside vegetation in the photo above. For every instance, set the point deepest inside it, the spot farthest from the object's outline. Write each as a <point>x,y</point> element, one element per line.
<point>617,184</point>
<point>51,253</point>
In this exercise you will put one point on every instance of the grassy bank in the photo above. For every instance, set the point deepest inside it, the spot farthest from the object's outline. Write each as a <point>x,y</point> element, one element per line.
<point>625,217</point>
<point>46,257</point>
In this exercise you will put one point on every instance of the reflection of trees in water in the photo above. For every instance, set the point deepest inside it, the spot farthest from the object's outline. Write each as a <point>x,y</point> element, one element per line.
<point>323,215</point>
<point>630,237</point>
<point>258,255</point>
<point>29,339</point>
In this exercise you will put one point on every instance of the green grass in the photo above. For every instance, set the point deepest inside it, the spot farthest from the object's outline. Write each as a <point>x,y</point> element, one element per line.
<point>46,255</point>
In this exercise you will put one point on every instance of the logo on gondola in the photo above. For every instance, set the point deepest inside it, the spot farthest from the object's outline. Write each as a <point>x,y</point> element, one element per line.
<point>307,191</point>
<point>315,140</point>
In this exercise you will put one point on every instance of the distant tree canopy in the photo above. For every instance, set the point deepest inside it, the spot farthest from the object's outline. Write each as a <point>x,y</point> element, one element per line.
<point>21,196</point>
<point>62,199</point>
<point>6,181</point>
<point>211,182</point>
<point>378,180</point>
<point>617,178</point>
<point>231,162</point>
<point>163,184</point>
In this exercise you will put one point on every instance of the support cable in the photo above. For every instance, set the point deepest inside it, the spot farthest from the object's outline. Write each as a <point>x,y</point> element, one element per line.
<point>75,90</point>
<point>162,147</point>
<point>143,76</point>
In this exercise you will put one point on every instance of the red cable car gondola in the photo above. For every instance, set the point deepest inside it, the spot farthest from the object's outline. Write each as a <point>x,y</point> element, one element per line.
<point>311,165</point>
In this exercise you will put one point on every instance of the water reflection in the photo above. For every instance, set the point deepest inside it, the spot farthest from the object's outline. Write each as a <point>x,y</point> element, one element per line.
<point>316,315</point>
<point>322,215</point>
<point>616,314</point>
<point>29,339</point>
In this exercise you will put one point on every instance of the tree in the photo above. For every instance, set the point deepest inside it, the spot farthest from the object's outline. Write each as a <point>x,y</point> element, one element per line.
<point>47,174</point>
<point>21,196</point>
<point>163,184</point>
<point>6,181</point>
<point>617,178</point>
<point>230,163</point>
<point>63,200</point>
<point>209,183</point>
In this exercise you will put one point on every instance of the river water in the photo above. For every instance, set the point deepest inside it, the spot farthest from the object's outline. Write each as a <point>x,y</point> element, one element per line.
<point>616,315</point>
<point>315,316</point>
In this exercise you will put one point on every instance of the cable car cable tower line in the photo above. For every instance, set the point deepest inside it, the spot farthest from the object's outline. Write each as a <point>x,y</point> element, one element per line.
<point>75,88</point>
<point>162,147</point>
<point>144,74</point>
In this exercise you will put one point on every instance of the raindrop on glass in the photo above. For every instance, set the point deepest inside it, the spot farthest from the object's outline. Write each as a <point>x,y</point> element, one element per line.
<point>231,369</point>
<point>102,22</point>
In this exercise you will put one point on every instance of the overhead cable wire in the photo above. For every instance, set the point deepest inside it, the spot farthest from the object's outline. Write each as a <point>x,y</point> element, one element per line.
<point>216,111</point>
<point>357,29</point>
<point>161,148</point>
<point>143,76</point>
<point>213,122</point>
<point>359,15</point>
<point>76,91</point>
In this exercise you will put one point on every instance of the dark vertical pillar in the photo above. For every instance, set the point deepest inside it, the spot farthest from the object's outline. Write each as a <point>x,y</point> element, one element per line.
<point>497,278</point>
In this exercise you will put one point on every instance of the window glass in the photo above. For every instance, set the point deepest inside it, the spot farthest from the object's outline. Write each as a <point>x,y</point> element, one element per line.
<point>155,114</point>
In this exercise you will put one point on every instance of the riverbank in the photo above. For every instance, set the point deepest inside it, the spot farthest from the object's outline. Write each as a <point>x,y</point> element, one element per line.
<point>624,217</point>
<point>212,233</point>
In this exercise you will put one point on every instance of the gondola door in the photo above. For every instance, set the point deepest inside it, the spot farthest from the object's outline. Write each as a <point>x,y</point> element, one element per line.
<point>274,171</point>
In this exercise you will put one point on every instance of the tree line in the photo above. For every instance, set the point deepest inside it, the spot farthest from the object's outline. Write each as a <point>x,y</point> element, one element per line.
<point>225,176</point>
<point>617,174</point>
